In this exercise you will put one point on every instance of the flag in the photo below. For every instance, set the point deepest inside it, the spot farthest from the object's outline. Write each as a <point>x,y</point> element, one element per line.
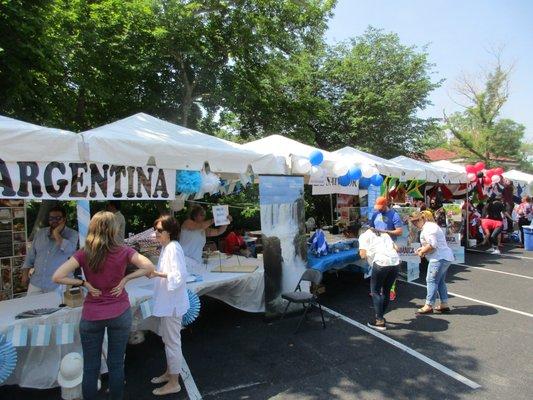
<point>40,335</point>
<point>146,309</point>
<point>18,335</point>
<point>64,334</point>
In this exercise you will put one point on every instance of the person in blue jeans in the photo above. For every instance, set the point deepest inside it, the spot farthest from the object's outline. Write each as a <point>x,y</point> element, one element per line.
<point>106,306</point>
<point>435,248</point>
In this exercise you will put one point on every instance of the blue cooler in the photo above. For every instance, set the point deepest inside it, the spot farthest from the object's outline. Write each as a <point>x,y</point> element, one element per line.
<point>528,237</point>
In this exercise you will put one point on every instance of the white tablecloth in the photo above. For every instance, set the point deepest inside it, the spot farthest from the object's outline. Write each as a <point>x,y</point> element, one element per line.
<point>37,367</point>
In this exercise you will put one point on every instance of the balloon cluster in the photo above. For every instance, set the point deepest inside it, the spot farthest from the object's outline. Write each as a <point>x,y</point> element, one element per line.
<point>366,174</point>
<point>486,176</point>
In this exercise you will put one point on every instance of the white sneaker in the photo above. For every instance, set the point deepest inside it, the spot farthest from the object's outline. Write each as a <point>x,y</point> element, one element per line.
<point>491,250</point>
<point>496,251</point>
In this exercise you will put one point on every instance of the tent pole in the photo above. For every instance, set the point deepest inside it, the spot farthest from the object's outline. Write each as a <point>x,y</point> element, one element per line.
<point>331,207</point>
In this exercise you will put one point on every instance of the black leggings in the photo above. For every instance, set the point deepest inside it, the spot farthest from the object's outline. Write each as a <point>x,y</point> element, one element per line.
<point>381,281</point>
<point>493,238</point>
<point>522,221</point>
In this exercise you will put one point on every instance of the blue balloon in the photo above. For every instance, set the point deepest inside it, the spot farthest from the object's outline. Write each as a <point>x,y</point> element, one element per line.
<point>376,180</point>
<point>364,183</point>
<point>355,173</point>
<point>316,158</point>
<point>344,180</point>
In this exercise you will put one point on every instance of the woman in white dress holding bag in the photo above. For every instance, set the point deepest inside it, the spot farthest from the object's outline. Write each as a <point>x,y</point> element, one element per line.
<point>171,301</point>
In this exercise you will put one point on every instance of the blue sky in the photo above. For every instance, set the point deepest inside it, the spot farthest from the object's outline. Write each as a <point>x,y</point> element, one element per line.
<point>458,34</point>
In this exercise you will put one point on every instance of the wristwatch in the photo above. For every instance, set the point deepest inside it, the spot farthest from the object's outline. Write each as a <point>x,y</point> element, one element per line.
<point>81,284</point>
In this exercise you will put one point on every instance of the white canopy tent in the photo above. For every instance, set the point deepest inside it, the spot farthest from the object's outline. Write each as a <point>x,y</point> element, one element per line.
<point>449,165</point>
<point>384,166</point>
<point>141,139</point>
<point>521,178</point>
<point>433,173</point>
<point>22,141</point>
<point>291,150</point>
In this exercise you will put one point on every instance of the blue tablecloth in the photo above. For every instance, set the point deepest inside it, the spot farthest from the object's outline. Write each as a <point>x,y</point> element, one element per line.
<point>339,260</point>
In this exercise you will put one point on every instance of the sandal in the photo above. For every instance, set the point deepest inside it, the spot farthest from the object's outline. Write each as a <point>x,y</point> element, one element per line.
<point>442,310</point>
<point>163,392</point>
<point>421,311</point>
<point>160,379</point>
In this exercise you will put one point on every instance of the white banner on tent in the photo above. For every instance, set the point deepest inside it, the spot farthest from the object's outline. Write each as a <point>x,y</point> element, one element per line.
<point>92,181</point>
<point>332,187</point>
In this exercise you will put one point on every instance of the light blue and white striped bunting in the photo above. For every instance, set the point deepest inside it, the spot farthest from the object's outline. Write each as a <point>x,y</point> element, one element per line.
<point>40,335</point>
<point>64,334</point>
<point>18,335</point>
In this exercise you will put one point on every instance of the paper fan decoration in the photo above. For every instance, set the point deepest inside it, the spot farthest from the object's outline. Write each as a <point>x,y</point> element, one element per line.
<point>194,309</point>
<point>188,181</point>
<point>8,359</point>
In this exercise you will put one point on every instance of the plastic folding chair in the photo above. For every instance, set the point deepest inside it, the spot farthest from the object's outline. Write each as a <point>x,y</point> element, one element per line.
<point>307,300</point>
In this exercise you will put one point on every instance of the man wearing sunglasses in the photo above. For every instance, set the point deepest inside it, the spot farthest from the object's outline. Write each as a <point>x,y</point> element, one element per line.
<point>50,248</point>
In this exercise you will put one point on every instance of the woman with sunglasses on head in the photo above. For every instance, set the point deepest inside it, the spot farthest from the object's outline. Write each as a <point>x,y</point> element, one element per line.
<point>106,306</point>
<point>194,231</point>
<point>171,301</point>
<point>440,256</point>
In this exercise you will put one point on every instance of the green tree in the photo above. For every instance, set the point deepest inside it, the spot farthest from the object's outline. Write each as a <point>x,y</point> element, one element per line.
<point>479,132</point>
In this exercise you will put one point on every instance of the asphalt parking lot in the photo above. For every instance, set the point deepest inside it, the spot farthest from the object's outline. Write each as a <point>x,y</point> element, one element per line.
<point>482,350</point>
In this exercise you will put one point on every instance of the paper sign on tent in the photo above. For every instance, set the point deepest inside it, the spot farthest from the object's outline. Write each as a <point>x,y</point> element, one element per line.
<point>220,215</point>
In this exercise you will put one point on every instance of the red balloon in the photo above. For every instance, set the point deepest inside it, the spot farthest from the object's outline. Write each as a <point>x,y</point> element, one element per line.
<point>498,171</point>
<point>470,169</point>
<point>487,181</point>
<point>479,166</point>
<point>490,173</point>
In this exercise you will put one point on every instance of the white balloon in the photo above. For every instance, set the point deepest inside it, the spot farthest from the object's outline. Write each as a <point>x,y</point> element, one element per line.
<point>340,169</point>
<point>375,171</point>
<point>301,166</point>
<point>367,170</point>
<point>496,178</point>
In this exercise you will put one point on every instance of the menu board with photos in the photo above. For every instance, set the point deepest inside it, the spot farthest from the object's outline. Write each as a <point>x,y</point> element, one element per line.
<point>13,241</point>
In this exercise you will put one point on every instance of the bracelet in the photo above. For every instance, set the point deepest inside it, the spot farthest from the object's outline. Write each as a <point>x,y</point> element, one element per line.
<point>81,284</point>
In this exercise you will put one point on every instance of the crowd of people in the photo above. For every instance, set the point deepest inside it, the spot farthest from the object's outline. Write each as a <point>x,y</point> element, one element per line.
<point>104,259</point>
<point>377,245</point>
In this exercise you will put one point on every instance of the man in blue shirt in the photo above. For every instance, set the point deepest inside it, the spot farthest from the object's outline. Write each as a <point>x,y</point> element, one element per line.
<point>385,219</point>
<point>50,248</point>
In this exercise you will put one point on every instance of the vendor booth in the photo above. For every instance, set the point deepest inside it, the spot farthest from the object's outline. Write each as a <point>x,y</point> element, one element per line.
<point>138,158</point>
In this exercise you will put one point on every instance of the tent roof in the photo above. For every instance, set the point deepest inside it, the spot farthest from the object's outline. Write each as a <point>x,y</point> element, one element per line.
<point>433,173</point>
<point>22,141</point>
<point>135,139</point>
<point>289,149</point>
<point>384,166</point>
<point>515,175</point>
<point>449,165</point>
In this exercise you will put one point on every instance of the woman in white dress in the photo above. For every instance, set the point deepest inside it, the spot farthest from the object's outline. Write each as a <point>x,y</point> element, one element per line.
<point>171,301</point>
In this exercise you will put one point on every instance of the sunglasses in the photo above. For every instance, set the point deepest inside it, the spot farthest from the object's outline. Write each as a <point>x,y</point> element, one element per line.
<point>55,218</point>
<point>159,230</point>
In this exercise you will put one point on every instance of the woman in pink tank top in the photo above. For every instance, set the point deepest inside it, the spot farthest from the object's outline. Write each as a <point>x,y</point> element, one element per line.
<point>106,305</point>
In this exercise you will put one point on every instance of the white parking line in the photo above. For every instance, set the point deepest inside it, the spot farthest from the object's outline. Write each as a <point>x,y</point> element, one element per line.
<point>478,301</point>
<point>188,381</point>
<point>408,350</point>
<point>500,255</point>
<point>233,388</point>
<point>494,270</point>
